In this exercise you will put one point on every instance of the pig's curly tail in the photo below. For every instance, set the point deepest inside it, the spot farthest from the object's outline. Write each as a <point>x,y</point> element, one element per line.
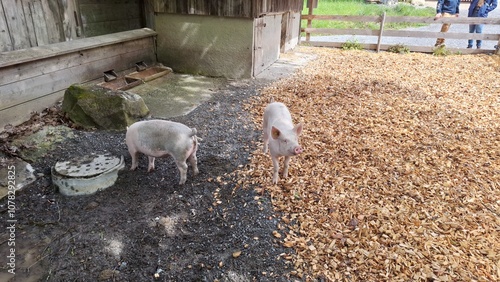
<point>193,132</point>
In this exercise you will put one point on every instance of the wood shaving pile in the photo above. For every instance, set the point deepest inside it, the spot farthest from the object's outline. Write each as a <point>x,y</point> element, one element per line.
<point>400,178</point>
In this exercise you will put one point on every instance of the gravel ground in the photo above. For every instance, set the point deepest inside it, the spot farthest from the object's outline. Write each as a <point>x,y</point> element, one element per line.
<point>146,227</point>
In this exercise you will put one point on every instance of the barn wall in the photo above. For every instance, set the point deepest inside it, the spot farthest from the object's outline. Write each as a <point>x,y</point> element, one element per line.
<point>267,31</point>
<point>30,23</point>
<point>103,17</point>
<point>34,79</point>
<point>205,45</point>
<point>290,31</point>
<point>227,8</point>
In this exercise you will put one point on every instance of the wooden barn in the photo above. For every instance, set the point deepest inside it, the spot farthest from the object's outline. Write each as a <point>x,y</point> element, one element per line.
<point>237,38</point>
<point>47,45</point>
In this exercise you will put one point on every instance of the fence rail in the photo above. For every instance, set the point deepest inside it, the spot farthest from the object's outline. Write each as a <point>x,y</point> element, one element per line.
<point>379,34</point>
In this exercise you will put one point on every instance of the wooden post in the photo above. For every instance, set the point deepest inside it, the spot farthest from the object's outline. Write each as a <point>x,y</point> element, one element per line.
<point>309,20</point>
<point>382,22</point>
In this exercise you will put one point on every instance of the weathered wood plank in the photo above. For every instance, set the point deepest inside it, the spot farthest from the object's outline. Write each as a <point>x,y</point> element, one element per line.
<point>342,18</point>
<point>227,8</point>
<point>96,29</point>
<point>56,49</point>
<point>105,12</point>
<point>408,19</point>
<point>430,34</point>
<point>5,40</point>
<point>104,18</point>
<point>20,72</point>
<point>342,31</point>
<point>30,25</point>
<point>30,89</point>
<point>422,49</point>
<point>113,2</point>
<point>401,33</point>
<point>452,20</point>
<point>53,20</point>
<point>21,113</point>
<point>16,23</point>
<point>266,42</point>
<point>274,6</point>
<point>149,13</point>
<point>69,19</point>
<point>40,26</point>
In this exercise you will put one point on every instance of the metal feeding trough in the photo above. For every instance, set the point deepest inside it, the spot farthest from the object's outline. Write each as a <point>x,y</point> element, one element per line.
<point>145,73</point>
<point>113,82</point>
<point>86,175</point>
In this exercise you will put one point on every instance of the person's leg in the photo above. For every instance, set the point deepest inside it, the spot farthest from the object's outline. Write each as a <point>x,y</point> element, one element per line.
<point>479,29</point>
<point>472,29</point>
<point>444,28</point>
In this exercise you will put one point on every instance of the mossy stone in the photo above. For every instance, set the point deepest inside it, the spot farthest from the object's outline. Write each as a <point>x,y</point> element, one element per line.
<point>97,107</point>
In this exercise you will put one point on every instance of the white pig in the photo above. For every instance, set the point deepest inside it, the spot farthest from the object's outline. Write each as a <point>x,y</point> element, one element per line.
<point>160,138</point>
<point>281,136</point>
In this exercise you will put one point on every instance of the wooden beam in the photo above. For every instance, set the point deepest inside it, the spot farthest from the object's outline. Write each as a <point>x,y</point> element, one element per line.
<point>400,19</point>
<point>56,49</point>
<point>309,20</point>
<point>421,49</point>
<point>19,92</point>
<point>401,33</point>
<point>16,25</point>
<point>381,32</point>
<point>20,72</point>
<point>5,39</point>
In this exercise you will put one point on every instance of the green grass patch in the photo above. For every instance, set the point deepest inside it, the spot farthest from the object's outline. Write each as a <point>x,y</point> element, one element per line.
<point>441,51</point>
<point>360,8</point>
<point>352,45</point>
<point>399,49</point>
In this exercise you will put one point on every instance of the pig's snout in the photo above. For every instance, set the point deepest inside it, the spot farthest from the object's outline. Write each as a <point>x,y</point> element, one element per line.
<point>298,150</point>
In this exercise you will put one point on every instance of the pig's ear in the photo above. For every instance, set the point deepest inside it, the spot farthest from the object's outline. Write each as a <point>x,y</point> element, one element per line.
<point>275,133</point>
<point>298,128</point>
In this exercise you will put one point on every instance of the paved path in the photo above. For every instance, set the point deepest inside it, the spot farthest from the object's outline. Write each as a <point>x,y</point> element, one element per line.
<point>452,43</point>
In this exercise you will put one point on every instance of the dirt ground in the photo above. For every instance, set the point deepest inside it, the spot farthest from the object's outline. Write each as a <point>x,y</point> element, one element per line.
<point>146,227</point>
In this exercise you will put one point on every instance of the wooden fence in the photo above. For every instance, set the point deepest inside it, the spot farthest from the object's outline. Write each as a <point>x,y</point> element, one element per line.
<point>380,33</point>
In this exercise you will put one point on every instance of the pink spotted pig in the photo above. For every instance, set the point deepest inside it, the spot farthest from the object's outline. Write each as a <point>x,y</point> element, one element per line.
<point>160,138</point>
<point>281,136</point>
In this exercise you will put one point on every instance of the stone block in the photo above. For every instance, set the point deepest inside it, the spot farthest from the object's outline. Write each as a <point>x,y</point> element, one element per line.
<point>97,107</point>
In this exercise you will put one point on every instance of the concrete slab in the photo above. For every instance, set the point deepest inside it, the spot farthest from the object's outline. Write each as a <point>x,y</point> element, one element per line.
<point>30,148</point>
<point>287,64</point>
<point>36,145</point>
<point>176,94</point>
<point>14,174</point>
